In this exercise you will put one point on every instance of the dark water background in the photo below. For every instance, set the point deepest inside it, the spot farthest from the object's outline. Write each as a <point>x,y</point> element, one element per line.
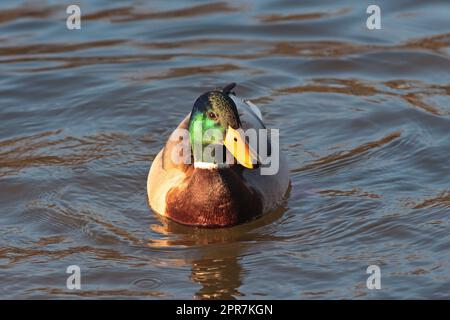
<point>364,118</point>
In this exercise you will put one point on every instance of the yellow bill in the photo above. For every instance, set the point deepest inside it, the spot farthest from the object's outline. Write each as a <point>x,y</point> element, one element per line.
<point>239,148</point>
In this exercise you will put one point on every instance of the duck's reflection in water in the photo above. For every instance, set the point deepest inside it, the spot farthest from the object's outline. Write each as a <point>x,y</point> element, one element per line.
<point>215,254</point>
<point>220,278</point>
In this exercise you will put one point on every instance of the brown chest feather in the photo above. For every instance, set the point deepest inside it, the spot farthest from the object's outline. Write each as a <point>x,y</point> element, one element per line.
<point>213,198</point>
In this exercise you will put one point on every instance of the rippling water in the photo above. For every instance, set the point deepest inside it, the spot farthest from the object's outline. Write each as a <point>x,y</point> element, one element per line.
<point>364,118</point>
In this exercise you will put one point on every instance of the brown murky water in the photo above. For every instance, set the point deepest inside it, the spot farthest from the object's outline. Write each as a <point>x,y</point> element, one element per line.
<point>364,118</point>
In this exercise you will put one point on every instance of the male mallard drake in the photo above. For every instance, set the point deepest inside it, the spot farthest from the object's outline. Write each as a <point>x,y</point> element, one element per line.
<point>194,189</point>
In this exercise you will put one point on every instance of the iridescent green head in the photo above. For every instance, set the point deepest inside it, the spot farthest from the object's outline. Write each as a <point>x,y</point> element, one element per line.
<point>214,120</point>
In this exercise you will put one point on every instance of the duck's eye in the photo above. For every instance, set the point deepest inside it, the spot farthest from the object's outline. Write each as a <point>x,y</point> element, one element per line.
<point>212,115</point>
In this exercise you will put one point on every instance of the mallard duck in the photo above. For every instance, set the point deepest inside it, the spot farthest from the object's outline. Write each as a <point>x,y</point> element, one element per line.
<point>190,190</point>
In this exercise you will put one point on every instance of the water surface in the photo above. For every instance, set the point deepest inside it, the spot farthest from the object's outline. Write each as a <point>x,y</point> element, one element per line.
<point>364,119</point>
